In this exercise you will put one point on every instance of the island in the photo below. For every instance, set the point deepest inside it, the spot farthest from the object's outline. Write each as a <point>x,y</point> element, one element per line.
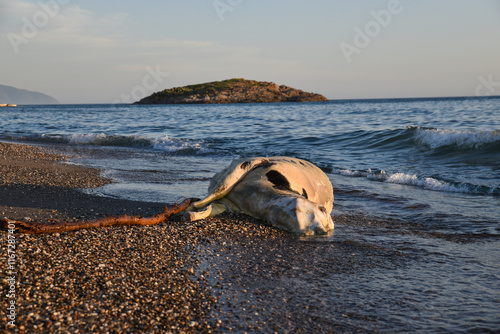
<point>231,91</point>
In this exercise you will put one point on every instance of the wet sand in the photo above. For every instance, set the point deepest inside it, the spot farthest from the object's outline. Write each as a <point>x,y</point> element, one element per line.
<point>228,274</point>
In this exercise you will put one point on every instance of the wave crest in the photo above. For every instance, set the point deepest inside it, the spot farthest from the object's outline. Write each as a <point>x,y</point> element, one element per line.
<point>167,144</point>
<point>102,139</point>
<point>428,183</point>
<point>466,139</point>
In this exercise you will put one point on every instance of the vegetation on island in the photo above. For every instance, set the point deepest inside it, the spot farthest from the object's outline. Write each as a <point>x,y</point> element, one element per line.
<point>203,88</point>
<point>235,90</point>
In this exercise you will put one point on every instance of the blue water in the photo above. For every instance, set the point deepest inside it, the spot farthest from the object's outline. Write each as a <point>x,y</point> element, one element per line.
<point>431,167</point>
<point>438,156</point>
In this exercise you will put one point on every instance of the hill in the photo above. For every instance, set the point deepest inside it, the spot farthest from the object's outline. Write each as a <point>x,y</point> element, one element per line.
<point>231,91</point>
<point>12,95</point>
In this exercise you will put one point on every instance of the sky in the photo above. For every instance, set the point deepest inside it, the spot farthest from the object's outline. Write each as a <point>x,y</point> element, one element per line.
<point>112,51</point>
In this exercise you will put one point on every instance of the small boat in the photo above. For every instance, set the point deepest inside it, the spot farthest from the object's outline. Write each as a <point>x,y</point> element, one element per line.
<point>7,105</point>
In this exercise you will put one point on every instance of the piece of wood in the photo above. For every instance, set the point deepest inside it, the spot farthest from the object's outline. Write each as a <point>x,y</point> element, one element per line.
<point>37,228</point>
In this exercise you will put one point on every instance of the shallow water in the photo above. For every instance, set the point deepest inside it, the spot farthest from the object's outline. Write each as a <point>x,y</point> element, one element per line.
<point>367,277</point>
<point>424,172</point>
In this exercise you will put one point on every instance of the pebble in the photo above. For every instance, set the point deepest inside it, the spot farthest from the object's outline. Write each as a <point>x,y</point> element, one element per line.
<point>37,166</point>
<point>221,274</point>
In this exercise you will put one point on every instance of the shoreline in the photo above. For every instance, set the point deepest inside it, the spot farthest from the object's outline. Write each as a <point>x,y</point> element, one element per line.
<point>36,184</point>
<point>80,281</point>
<point>228,273</point>
<point>174,277</point>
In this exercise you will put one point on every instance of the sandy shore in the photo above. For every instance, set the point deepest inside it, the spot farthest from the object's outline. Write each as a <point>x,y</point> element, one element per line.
<point>229,274</point>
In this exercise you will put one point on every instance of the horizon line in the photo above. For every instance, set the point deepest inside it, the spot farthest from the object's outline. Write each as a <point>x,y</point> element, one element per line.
<point>329,100</point>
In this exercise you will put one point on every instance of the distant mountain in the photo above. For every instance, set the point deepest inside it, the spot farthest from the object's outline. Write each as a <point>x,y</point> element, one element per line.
<point>231,91</point>
<point>14,95</point>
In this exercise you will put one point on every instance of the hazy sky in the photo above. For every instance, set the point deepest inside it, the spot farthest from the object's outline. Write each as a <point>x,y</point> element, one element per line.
<point>97,51</point>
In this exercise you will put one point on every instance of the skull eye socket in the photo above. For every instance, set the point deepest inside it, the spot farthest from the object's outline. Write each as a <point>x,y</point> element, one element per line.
<point>278,180</point>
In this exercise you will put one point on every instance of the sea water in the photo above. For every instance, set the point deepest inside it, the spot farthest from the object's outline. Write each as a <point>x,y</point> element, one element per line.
<point>430,168</point>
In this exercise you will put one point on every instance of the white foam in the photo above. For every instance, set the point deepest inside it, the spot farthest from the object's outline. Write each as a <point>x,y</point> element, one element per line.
<point>166,143</point>
<point>377,176</point>
<point>176,144</point>
<point>90,138</point>
<point>347,172</point>
<point>428,183</point>
<point>435,138</point>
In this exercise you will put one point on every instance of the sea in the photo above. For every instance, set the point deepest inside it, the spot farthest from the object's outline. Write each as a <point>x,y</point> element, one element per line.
<point>428,167</point>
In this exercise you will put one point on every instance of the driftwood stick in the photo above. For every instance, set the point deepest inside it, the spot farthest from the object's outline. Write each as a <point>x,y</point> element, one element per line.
<point>37,228</point>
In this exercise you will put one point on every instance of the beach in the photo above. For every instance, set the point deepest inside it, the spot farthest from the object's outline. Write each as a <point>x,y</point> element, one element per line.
<point>229,273</point>
<point>113,120</point>
<point>219,274</point>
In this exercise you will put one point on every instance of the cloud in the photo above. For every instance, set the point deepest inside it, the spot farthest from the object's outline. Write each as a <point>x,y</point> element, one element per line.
<point>13,7</point>
<point>53,23</point>
<point>74,27</point>
<point>99,56</point>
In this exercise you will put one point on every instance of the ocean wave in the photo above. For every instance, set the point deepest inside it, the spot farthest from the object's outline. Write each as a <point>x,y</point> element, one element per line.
<point>175,145</point>
<point>403,139</point>
<point>166,143</point>
<point>428,183</point>
<point>388,139</point>
<point>466,139</point>
<point>102,139</point>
